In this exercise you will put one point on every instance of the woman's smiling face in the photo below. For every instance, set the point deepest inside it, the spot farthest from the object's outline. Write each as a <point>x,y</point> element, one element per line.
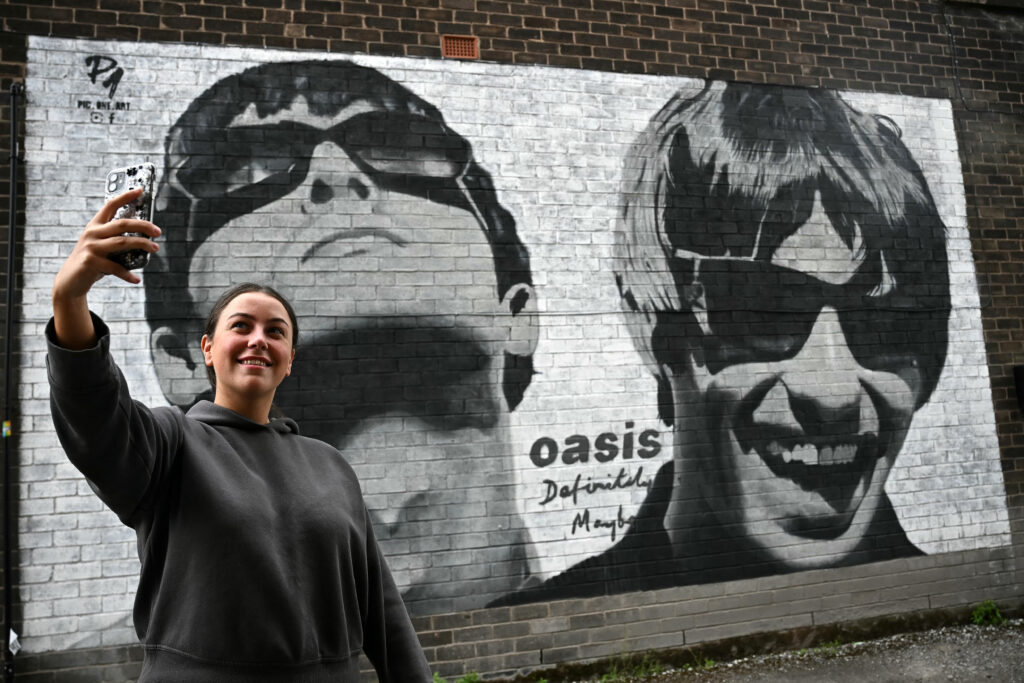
<point>251,352</point>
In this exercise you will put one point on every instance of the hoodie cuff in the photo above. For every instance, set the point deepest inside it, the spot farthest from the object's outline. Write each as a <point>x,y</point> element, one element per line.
<point>79,369</point>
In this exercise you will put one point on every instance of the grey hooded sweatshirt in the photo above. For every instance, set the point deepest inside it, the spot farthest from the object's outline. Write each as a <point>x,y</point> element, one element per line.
<point>258,558</point>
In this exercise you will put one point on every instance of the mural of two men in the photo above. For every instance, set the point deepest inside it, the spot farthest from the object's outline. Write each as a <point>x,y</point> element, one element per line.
<point>783,273</point>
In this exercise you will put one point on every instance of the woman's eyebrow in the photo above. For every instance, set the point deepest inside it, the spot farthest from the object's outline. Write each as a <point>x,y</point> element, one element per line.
<point>249,316</point>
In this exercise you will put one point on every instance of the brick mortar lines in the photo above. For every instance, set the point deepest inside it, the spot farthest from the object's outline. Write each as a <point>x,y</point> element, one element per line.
<point>849,82</point>
<point>683,29</point>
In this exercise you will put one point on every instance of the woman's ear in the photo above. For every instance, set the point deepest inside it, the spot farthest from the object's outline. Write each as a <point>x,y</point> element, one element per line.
<point>206,344</point>
<point>520,306</point>
<point>180,367</point>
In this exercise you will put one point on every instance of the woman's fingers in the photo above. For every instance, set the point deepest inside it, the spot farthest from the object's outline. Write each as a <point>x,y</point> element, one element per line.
<point>121,226</point>
<point>105,223</point>
<point>117,270</point>
<point>126,242</point>
<point>105,235</point>
<point>109,209</point>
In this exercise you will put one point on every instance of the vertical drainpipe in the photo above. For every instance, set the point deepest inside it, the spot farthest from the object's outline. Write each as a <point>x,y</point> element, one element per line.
<point>17,90</point>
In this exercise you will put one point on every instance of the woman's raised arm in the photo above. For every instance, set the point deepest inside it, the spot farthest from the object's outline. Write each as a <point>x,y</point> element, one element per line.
<point>89,262</point>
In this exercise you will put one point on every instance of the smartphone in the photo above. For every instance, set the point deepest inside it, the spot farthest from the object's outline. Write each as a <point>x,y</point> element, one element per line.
<point>121,180</point>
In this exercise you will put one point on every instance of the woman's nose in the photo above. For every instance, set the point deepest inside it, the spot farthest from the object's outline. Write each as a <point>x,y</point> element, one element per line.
<point>257,340</point>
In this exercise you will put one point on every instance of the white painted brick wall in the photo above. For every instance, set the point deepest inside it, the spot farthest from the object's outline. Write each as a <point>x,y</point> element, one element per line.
<point>553,140</point>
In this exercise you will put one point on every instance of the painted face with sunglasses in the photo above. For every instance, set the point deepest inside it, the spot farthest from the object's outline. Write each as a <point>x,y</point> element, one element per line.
<point>360,209</point>
<point>799,392</point>
<point>357,203</point>
<point>804,323</point>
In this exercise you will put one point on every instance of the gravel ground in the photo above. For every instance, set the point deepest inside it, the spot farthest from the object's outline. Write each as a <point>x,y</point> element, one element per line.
<point>954,653</point>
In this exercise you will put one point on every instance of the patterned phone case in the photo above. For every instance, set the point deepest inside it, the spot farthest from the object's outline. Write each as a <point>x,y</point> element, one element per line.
<point>122,180</point>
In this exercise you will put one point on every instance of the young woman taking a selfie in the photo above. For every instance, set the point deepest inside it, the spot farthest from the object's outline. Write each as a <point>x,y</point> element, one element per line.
<point>258,558</point>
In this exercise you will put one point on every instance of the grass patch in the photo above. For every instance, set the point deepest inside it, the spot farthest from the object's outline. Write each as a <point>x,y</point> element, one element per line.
<point>987,614</point>
<point>831,646</point>
<point>627,667</point>
<point>472,677</point>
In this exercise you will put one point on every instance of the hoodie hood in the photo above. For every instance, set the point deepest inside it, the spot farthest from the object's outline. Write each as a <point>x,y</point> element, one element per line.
<point>214,415</point>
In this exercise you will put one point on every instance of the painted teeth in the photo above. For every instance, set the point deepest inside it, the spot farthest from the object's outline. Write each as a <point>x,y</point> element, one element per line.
<point>806,453</point>
<point>839,455</point>
<point>809,454</point>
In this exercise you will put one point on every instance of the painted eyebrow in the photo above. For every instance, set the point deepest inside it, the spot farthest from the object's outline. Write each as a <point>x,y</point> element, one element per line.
<point>249,316</point>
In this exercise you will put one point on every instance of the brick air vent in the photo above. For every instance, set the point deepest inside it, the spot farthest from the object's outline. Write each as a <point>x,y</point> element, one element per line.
<point>460,47</point>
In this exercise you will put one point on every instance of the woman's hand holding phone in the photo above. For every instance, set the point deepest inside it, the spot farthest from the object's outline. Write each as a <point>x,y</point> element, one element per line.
<point>120,181</point>
<point>90,260</point>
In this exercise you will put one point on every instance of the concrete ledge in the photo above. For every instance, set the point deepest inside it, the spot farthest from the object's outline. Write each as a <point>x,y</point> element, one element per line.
<point>728,649</point>
<point>1004,4</point>
<point>569,638</point>
<point>787,610</point>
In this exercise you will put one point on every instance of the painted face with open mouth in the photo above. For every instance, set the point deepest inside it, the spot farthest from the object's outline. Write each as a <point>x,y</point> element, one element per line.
<point>797,403</point>
<point>797,453</point>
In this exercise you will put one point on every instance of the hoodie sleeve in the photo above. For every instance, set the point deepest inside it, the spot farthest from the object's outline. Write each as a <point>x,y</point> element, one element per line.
<point>121,447</point>
<point>389,640</point>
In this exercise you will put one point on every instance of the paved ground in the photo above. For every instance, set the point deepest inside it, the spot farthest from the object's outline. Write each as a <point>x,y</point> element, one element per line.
<point>958,653</point>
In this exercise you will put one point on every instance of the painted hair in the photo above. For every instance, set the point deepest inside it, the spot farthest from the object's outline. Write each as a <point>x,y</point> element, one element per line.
<point>328,86</point>
<point>733,170</point>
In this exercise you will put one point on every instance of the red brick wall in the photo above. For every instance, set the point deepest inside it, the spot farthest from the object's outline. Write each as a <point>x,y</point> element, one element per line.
<point>988,83</point>
<point>968,52</point>
<point>887,46</point>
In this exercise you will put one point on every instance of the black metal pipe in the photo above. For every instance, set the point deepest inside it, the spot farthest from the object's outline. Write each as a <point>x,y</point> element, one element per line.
<point>17,89</point>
